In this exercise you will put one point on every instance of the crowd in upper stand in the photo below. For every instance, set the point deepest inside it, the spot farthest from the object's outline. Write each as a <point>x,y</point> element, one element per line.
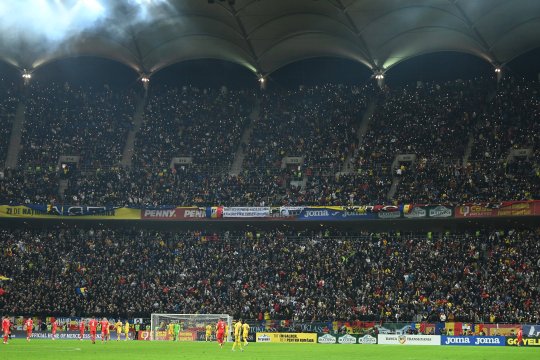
<point>301,276</point>
<point>189,122</point>
<point>461,133</point>
<point>73,121</point>
<point>8,107</point>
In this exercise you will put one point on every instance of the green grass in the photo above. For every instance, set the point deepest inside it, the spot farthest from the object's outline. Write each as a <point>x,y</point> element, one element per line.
<point>85,350</point>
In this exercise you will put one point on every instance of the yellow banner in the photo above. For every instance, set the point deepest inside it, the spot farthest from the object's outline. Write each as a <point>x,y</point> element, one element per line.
<point>290,338</point>
<point>75,213</point>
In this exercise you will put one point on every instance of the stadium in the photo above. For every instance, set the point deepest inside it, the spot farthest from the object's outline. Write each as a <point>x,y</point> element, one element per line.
<point>269,179</point>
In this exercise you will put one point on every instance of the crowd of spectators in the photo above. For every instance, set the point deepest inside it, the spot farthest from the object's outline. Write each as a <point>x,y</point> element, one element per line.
<point>75,121</point>
<point>435,122</point>
<point>29,186</point>
<point>508,119</point>
<point>8,106</point>
<point>204,124</point>
<point>305,276</point>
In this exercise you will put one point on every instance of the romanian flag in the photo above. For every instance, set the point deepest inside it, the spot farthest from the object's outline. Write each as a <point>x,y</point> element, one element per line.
<point>214,212</point>
<point>406,208</point>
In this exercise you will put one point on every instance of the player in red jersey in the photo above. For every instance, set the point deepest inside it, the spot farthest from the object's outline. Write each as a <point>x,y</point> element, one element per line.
<point>519,341</point>
<point>82,326</point>
<point>220,332</point>
<point>54,327</point>
<point>29,323</point>
<point>92,324</point>
<point>105,329</point>
<point>5,328</point>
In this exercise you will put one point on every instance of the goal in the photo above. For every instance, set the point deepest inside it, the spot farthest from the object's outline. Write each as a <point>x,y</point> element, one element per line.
<point>192,327</point>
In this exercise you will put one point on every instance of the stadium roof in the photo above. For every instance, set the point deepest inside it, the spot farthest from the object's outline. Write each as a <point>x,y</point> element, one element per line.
<point>264,35</point>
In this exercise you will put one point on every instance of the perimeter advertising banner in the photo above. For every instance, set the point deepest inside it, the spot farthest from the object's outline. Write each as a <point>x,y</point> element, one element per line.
<point>385,339</point>
<point>473,340</point>
<point>69,212</point>
<point>64,335</point>
<point>506,208</point>
<point>179,213</point>
<point>289,213</point>
<point>163,335</point>
<point>527,341</point>
<point>246,212</point>
<point>345,339</point>
<point>289,338</point>
<point>333,213</point>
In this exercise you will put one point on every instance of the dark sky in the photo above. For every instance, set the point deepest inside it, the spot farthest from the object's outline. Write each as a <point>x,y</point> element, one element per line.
<point>212,73</point>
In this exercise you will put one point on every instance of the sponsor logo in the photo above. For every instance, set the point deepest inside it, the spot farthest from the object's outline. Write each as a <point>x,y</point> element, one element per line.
<point>416,212</point>
<point>194,213</point>
<point>160,213</point>
<point>347,339</point>
<point>473,211</point>
<point>481,340</point>
<point>456,340</point>
<point>409,339</point>
<point>526,341</point>
<point>389,215</point>
<point>290,210</point>
<point>473,340</point>
<point>263,338</point>
<point>327,339</point>
<point>440,211</point>
<point>316,213</point>
<point>367,339</point>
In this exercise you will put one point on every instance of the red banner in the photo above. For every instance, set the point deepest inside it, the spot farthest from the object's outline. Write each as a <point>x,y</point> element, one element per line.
<point>191,213</point>
<point>509,208</point>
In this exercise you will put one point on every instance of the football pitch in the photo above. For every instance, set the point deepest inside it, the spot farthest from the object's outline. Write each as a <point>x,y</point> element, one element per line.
<point>85,350</point>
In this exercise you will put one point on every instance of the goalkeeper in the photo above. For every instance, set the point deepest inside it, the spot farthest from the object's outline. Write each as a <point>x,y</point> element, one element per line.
<point>176,330</point>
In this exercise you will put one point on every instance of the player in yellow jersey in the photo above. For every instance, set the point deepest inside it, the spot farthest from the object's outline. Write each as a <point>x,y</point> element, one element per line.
<point>208,332</point>
<point>170,331</point>
<point>126,330</point>
<point>227,333</point>
<point>237,335</point>
<point>118,327</point>
<point>245,333</point>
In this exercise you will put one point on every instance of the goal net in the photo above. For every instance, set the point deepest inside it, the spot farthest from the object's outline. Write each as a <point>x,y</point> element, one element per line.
<point>186,327</point>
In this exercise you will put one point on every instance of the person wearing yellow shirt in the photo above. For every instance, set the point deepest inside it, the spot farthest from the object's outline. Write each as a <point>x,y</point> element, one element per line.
<point>126,330</point>
<point>237,335</point>
<point>227,333</point>
<point>118,327</point>
<point>208,332</point>
<point>245,333</point>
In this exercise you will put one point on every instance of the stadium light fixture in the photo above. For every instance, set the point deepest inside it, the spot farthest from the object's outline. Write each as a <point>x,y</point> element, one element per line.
<point>497,69</point>
<point>145,79</point>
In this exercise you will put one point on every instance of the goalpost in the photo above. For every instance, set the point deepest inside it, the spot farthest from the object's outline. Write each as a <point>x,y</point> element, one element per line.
<point>191,327</point>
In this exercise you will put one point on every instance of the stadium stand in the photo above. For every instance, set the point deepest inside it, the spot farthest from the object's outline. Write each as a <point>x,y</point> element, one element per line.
<point>319,125</point>
<point>289,275</point>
